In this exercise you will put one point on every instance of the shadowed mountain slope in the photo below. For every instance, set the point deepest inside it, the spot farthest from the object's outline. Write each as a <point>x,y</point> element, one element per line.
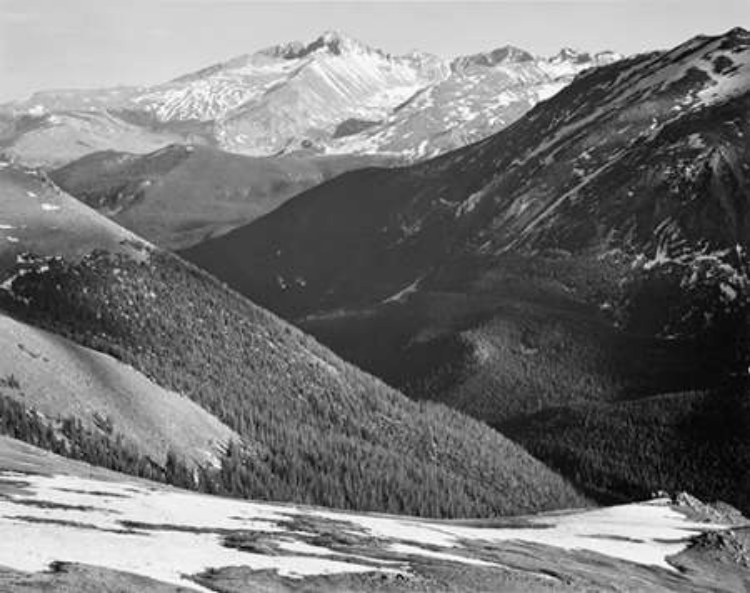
<point>182,195</point>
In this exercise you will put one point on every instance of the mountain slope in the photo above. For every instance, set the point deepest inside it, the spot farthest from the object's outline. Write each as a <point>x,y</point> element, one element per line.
<point>483,94</point>
<point>181,195</point>
<point>587,253</point>
<point>313,428</point>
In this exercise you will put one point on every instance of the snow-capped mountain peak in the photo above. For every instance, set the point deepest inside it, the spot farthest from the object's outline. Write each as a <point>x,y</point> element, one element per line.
<point>297,95</point>
<point>568,54</point>
<point>507,54</point>
<point>329,42</point>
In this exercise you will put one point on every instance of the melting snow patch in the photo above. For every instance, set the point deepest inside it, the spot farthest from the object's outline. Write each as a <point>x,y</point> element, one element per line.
<point>417,551</point>
<point>47,207</point>
<point>696,141</point>
<point>158,552</point>
<point>402,294</point>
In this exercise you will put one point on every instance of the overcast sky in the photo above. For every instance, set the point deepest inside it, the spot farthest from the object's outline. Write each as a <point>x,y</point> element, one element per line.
<point>87,43</point>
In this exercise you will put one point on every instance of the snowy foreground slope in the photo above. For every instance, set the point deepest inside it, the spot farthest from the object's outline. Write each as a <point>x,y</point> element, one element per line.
<point>99,527</point>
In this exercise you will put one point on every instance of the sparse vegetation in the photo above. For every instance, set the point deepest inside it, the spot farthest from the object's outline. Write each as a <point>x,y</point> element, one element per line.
<point>10,381</point>
<point>68,436</point>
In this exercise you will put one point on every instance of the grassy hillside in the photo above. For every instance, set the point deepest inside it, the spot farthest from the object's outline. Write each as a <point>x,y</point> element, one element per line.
<point>60,379</point>
<point>181,195</point>
<point>37,217</point>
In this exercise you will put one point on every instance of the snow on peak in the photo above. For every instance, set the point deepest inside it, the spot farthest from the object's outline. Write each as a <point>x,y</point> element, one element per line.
<point>507,54</point>
<point>607,57</point>
<point>333,42</point>
<point>568,54</point>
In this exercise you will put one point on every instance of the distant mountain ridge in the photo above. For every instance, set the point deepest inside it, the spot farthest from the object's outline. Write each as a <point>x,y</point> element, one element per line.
<point>292,97</point>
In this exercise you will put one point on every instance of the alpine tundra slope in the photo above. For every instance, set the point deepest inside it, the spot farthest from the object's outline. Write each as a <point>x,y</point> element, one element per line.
<point>72,527</point>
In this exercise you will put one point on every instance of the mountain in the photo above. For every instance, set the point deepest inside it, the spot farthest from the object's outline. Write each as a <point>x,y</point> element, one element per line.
<point>593,252</point>
<point>483,94</point>
<point>334,94</point>
<point>311,428</point>
<point>76,527</point>
<point>181,195</point>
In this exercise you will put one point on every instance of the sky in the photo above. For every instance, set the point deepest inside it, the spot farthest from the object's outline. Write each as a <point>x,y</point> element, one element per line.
<point>47,44</point>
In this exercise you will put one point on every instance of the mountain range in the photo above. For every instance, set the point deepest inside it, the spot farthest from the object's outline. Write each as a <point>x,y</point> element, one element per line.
<point>443,325</point>
<point>331,95</point>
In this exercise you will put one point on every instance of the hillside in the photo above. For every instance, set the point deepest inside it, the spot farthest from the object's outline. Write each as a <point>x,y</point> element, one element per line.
<point>60,380</point>
<point>313,428</point>
<point>73,527</point>
<point>181,195</point>
<point>37,138</point>
<point>587,253</point>
<point>38,217</point>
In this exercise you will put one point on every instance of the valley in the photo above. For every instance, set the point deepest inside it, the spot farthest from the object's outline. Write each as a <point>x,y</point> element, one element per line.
<point>575,266</point>
<point>322,317</point>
